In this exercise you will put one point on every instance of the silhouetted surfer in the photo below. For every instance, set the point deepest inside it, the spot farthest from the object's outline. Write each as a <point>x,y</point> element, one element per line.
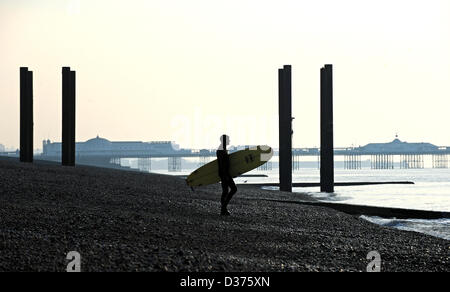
<point>224,173</point>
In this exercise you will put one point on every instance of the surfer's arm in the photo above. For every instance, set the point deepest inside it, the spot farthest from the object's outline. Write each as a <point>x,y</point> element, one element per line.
<point>227,164</point>
<point>220,163</point>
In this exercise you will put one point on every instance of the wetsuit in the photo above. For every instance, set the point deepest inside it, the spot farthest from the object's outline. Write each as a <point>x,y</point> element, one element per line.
<point>227,181</point>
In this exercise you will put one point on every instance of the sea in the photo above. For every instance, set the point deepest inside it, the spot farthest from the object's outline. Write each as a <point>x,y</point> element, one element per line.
<point>430,191</point>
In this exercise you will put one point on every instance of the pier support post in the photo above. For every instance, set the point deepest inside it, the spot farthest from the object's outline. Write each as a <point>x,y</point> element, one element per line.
<point>352,161</point>
<point>174,164</point>
<point>145,164</point>
<point>295,161</point>
<point>382,161</point>
<point>285,127</point>
<point>26,115</point>
<point>68,117</point>
<point>412,161</point>
<point>440,160</point>
<point>326,130</point>
<point>265,166</point>
<point>203,159</point>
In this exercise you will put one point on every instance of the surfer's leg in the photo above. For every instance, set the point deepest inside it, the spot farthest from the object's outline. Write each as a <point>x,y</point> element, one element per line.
<point>233,190</point>
<point>224,191</point>
<point>223,199</point>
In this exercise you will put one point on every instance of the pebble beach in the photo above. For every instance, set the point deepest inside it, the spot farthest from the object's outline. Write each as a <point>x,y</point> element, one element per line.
<point>129,221</point>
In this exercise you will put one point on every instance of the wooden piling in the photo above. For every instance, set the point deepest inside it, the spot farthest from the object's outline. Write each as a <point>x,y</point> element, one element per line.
<point>26,115</point>
<point>68,117</point>
<point>326,130</point>
<point>285,127</point>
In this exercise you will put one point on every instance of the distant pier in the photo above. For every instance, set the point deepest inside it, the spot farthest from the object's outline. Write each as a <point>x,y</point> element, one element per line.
<point>395,154</point>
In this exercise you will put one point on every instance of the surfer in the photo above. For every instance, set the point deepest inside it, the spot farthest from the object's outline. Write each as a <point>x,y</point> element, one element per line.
<point>224,173</point>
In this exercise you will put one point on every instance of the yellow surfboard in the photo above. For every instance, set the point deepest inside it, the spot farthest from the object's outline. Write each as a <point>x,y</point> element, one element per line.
<point>240,162</point>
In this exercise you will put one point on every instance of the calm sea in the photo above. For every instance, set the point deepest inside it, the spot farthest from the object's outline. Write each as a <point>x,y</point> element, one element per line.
<point>431,191</point>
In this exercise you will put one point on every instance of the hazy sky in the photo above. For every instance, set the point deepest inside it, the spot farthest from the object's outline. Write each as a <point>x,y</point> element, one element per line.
<point>192,70</point>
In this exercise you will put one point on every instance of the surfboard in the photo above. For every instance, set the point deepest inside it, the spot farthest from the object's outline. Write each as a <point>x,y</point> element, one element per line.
<point>241,162</point>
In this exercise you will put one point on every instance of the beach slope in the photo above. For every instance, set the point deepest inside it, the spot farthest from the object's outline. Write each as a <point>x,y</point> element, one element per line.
<point>129,221</point>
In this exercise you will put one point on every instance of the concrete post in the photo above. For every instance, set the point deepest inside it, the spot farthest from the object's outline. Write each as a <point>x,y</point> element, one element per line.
<point>26,115</point>
<point>326,130</point>
<point>285,128</point>
<point>68,117</point>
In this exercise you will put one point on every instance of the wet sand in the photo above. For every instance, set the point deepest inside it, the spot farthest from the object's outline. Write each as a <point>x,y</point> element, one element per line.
<point>127,221</point>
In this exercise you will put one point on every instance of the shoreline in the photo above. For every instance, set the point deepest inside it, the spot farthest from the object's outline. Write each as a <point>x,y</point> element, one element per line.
<point>131,221</point>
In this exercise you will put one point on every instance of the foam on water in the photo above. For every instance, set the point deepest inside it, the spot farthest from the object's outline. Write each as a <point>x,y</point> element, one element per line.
<point>439,228</point>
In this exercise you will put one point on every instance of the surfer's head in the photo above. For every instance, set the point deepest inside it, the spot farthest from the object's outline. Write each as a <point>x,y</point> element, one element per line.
<point>224,141</point>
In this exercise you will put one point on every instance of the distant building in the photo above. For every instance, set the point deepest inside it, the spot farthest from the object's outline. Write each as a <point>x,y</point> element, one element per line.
<point>397,146</point>
<point>2,148</point>
<point>100,146</point>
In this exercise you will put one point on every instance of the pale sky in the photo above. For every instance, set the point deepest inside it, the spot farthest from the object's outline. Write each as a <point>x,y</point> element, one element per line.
<point>192,70</point>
